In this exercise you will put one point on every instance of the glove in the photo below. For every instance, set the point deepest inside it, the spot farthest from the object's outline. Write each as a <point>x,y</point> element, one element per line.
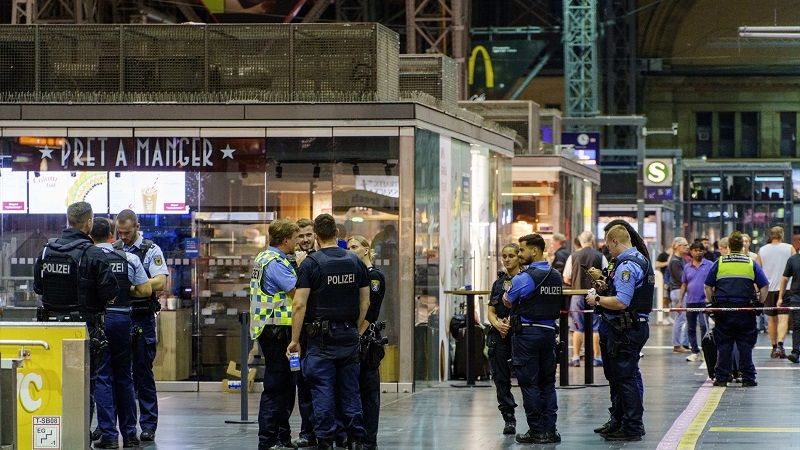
<point>591,296</point>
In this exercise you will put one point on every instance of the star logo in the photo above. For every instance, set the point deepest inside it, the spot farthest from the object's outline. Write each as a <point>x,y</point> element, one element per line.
<point>227,152</point>
<point>46,152</point>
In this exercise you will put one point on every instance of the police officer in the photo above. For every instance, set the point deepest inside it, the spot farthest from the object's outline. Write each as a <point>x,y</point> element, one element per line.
<point>143,311</point>
<point>499,342</point>
<point>76,282</point>
<point>623,332</point>
<point>535,300</point>
<point>114,388</point>
<point>304,247</point>
<point>272,287</point>
<point>730,284</point>
<point>330,305</point>
<point>372,351</point>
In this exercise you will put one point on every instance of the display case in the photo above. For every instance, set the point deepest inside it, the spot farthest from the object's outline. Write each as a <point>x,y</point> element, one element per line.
<point>228,243</point>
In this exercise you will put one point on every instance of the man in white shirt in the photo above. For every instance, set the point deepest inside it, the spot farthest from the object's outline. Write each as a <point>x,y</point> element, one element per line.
<point>772,257</point>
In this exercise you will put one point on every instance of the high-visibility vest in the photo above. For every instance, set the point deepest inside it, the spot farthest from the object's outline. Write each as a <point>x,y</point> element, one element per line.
<point>735,276</point>
<point>268,308</point>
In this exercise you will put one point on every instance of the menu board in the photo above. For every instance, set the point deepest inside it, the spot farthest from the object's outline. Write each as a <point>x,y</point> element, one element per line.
<point>13,192</point>
<point>148,192</point>
<point>52,192</point>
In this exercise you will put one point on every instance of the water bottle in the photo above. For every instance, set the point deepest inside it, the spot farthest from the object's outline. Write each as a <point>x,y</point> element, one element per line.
<point>294,362</point>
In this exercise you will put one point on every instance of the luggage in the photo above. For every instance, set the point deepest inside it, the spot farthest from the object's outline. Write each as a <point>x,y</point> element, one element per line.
<point>709,348</point>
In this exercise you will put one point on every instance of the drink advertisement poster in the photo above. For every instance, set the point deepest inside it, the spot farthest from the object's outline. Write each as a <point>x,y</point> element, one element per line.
<point>14,192</point>
<point>52,192</point>
<point>148,192</point>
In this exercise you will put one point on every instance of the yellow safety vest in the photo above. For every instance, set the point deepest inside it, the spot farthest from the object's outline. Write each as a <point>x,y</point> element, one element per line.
<point>267,308</point>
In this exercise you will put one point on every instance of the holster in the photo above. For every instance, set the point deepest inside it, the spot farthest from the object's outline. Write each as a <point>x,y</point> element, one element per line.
<point>516,324</point>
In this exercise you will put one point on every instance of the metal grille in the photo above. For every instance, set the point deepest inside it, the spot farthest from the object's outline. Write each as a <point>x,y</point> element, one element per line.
<point>435,75</point>
<point>199,63</point>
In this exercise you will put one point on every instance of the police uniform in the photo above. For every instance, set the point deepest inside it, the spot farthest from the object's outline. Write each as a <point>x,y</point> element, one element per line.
<point>622,337</point>
<point>500,351</point>
<point>303,392</point>
<point>76,283</point>
<point>732,277</point>
<point>537,299</point>
<point>114,394</point>
<point>370,379</point>
<point>330,361</point>
<point>144,322</point>
<point>273,279</point>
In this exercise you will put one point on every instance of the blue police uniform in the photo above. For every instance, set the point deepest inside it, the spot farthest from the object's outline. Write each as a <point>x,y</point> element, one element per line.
<point>500,352</point>
<point>304,404</point>
<point>631,280</point>
<point>277,399</point>
<point>536,300</point>
<point>330,360</point>
<point>144,322</point>
<point>732,277</point>
<point>114,393</point>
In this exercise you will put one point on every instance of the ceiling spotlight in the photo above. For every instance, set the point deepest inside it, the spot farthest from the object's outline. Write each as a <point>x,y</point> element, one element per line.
<point>356,169</point>
<point>316,170</point>
<point>279,171</point>
<point>387,169</point>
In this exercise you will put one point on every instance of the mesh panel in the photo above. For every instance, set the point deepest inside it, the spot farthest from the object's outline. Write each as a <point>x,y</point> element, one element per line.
<point>208,63</point>
<point>160,58</point>
<point>82,59</point>
<point>17,62</point>
<point>435,75</point>
<point>250,62</point>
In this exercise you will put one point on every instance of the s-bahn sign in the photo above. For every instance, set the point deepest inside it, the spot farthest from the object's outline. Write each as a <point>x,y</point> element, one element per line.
<point>658,172</point>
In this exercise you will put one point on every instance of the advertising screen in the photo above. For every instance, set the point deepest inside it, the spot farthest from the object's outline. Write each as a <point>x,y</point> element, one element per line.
<point>148,192</point>
<point>52,192</point>
<point>13,192</point>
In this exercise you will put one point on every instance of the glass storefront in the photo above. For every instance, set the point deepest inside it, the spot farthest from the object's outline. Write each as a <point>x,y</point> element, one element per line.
<point>722,198</point>
<point>207,202</point>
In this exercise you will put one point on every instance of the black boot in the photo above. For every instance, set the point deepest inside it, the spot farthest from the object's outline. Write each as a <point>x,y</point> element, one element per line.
<point>510,423</point>
<point>607,427</point>
<point>322,444</point>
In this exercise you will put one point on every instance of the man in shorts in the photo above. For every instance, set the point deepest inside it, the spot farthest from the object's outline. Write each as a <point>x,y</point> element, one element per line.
<point>773,257</point>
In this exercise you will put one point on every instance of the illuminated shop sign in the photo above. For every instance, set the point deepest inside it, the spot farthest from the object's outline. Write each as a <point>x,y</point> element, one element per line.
<point>140,154</point>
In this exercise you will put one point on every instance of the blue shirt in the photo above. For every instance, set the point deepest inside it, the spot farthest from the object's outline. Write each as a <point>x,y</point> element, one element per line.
<point>136,273</point>
<point>694,277</point>
<point>153,261</point>
<point>523,286</point>
<point>278,277</point>
<point>761,279</point>
<point>626,277</point>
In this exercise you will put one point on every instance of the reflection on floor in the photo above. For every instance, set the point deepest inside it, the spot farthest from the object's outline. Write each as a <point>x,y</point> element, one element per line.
<point>442,417</point>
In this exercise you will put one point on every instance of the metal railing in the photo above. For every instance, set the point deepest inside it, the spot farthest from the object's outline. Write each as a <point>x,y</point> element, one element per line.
<point>198,63</point>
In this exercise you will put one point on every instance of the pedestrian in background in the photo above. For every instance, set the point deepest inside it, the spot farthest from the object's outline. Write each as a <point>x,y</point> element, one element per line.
<point>680,248</point>
<point>693,295</point>
<point>773,257</point>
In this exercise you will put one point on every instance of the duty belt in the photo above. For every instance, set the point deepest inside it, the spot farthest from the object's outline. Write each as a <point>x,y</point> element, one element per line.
<point>71,316</point>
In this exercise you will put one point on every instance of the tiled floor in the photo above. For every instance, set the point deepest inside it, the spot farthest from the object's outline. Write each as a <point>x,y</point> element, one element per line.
<point>443,417</point>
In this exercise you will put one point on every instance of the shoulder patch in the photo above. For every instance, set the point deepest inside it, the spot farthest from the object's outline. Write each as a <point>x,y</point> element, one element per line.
<point>625,275</point>
<point>157,260</point>
<point>375,285</point>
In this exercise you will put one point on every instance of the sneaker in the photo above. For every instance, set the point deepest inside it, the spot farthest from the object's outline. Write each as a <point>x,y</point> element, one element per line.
<point>529,437</point>
<point>680,349</point>
<point>794,357</point>
<point>510,427</point>
<point>606,427</point>
<point>693,357</point>
<point>597,362</point>
<point>775,353</point>
<point>621,435</point>
<point>781,352</point>
<point>575,362</point>
<point>96,434</point>
<point>548,437</point>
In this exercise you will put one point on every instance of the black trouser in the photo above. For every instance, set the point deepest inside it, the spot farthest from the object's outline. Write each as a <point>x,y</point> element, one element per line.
<point>535,364</point>
<point>621,367</point>
<point>737,328</point>
<point>305,407</point>
<point>795,325</point>
<point>369,383</point>
<point>500,366</point>
<point>277,399</point>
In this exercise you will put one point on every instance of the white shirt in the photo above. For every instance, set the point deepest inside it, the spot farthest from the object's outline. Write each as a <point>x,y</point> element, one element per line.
<point>773,261</point>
